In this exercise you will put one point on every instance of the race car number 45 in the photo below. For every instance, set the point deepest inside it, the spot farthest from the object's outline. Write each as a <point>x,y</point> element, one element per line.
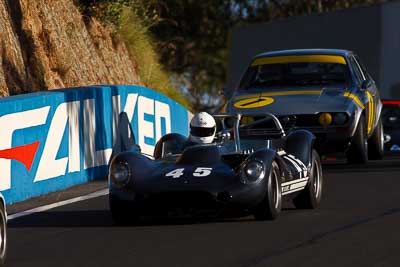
<point>199,172</point>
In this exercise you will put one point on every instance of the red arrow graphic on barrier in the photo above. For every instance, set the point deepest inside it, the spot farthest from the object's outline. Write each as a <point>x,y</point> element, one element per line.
<point>24,154</point>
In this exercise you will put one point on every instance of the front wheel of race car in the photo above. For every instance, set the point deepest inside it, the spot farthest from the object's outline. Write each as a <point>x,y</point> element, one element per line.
<point>270,207</point>
<point>311,196</point>
<point>358,150</point>
<point>122,212</point>
<point>376,143</point>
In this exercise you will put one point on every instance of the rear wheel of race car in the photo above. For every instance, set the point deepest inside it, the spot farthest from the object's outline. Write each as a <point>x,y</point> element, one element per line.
<point>311,196</point>
<point>122,212</point>
<point>270,207</point>
<point>3,235</point>
<point>358,150</point>
<point>376,143</point>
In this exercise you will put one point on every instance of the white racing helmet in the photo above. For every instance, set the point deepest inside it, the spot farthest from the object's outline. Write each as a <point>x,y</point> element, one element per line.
<point>202,128</point>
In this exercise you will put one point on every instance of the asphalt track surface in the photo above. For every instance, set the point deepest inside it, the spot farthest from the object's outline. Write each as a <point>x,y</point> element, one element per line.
<point>358,224</point>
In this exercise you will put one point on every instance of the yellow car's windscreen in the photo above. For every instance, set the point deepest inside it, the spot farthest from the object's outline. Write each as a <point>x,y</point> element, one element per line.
<point>296,71</point>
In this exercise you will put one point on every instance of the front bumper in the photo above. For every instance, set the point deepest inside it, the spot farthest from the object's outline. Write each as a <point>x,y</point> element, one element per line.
<point>329,139</point>
<point>332,139</point>
<point>236,196</point>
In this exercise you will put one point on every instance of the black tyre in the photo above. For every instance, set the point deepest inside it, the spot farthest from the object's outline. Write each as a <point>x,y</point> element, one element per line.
<point>358,150</point>
<point>271,205</point>
<point>3,235</point>
<point>310,197</point>
<point>122,212</point>
<point>376,143</point>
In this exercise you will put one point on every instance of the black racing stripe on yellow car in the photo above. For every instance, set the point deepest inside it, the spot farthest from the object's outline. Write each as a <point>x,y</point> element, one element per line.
<point>255,102</point>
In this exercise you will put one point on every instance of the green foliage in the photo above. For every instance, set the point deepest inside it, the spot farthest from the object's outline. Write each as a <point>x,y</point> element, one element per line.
<point>108,11</point>
<point>192,39</point>
<point>131,22</point>
<point>141,47</point>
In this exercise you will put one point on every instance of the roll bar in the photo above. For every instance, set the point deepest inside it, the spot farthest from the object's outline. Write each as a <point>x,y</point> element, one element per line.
<point>237,125</point>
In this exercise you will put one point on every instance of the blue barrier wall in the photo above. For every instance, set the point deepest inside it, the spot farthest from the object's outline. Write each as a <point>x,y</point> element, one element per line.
<point>55,139</point>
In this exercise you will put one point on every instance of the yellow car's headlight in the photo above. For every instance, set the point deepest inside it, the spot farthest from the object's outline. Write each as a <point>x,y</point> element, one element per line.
<point>325,119</point>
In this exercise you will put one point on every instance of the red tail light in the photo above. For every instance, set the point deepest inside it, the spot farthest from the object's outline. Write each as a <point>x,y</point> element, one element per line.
<point>391,102</point>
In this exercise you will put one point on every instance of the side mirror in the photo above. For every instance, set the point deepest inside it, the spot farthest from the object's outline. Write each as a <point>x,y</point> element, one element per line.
<point>366,84</point>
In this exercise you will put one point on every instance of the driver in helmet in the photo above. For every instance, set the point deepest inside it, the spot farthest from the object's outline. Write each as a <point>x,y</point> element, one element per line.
<point>202,129</point>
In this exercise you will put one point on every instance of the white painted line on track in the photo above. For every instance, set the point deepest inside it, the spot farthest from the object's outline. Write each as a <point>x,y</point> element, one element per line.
<point>58,204</point>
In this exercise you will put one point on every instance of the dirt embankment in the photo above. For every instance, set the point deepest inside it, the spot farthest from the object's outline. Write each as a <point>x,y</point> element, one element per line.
<point>47,44</point>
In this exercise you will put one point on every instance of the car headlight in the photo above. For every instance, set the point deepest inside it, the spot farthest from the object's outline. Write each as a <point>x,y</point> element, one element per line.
<point>120,173</point>
<point>253,171</point>
<point>340,118</point>
<point>325,119</point>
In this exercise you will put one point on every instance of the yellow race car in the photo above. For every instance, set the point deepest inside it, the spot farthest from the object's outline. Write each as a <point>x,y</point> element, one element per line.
<point>326,91</point>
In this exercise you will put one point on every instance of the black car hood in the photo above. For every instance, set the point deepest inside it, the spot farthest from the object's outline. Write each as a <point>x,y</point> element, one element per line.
<point>198,167</point>
<point>287,101</point>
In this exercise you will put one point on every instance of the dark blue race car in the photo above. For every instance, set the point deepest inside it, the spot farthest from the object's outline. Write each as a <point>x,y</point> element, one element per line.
<point>248,169</point>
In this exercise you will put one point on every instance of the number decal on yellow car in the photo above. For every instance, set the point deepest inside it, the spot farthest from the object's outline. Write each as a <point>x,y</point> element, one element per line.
<point>254,102</point>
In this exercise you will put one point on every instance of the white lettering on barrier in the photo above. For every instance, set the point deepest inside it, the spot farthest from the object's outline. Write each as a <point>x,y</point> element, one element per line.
<point>49,166</point>
<point>74,155</point>
<point>146,106</point>
<point>93,157</point>
<point>130,105</point>
<point>9,123</point>
<point>65,112</point>
<point>129,109</point>
<point>162,111</point>
<point>146,128</point>
<point>116,104</point>
<point>70,113</point>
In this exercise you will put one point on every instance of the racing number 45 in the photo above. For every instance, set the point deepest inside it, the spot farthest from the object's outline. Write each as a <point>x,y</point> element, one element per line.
<point>198,172</point>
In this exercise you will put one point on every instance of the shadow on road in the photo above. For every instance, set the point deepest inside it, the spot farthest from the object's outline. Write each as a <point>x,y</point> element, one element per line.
<point>102,218</point>
<point>387,165</point>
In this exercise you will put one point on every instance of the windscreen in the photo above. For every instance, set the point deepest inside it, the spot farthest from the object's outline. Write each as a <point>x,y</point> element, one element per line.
<point>295,74</point>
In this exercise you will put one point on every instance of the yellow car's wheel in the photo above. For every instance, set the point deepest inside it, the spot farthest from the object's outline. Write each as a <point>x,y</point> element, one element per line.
<point>376,143</point>
<point>358,150</point>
